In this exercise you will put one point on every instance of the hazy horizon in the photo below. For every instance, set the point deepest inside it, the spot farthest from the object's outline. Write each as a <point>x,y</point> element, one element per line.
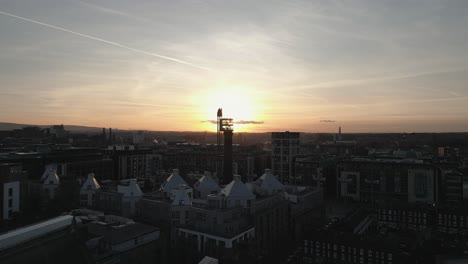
<point>306,66</point>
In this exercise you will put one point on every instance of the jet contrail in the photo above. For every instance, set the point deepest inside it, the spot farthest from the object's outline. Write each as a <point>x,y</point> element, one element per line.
<point>106,41</point>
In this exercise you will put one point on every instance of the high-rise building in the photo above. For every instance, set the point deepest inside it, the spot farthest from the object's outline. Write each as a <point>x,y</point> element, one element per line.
<point>129,161</point>
<point>453,187</point>
<point>285,147</point>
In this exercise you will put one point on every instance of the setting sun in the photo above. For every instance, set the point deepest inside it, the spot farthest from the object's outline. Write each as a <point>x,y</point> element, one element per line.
<point>237,103</point>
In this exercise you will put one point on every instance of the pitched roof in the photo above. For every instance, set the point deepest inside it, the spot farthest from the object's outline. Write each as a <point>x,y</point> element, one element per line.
<point>180,196</point>
<point>208,260</point>
<point>206,184</point>
<point>173,181</point>
<point>48,169</point>
<point>237,189</point>
<point>131,190</point>
<point>52,178</point>
<point>269,182</point>
<point>91,183</point>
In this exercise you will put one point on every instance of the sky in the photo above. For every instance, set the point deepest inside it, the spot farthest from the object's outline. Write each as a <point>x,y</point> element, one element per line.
<point>273,65</point>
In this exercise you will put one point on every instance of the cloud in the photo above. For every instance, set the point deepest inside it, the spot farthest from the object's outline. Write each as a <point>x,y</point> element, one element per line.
<point>327,121</point>
<point>360,81</point>
<point>112,11</point>
<point>240,122</point>
<point>250,122</point>
<point>107,41</point>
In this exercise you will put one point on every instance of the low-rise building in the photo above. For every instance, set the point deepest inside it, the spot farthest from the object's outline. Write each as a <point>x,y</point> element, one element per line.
<point>384,180</point>
<point>337,247</point>
<point>122,242</point>
<point>10,176</point>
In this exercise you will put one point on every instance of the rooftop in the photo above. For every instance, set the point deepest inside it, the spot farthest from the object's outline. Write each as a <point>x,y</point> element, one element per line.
<point>269,182</point>
<point>33,231</point>
<point>173,181</point>
<point>116,234</point>
<point>236,188</point>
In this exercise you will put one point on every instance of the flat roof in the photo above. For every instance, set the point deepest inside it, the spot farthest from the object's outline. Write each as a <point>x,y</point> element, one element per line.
<point>33,231</point>
<point>122,233</point>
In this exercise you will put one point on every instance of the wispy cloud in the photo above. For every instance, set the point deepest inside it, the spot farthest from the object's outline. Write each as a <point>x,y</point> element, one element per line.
<point>248,122</point>
<point>113,11</point>
<point>107,41</point>
<point>240,122</point>
<point>350,82</point>
<point>327,121</point>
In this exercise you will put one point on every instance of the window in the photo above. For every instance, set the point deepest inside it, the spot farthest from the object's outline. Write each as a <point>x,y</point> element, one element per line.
<point>10,191</point>
<point>420,185</point>
<point>10,203</point>
<point>397,184</point>
<point>352,185</point>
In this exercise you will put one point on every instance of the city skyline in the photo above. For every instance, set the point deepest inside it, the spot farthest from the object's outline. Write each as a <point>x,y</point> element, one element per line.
<point>298,65</point>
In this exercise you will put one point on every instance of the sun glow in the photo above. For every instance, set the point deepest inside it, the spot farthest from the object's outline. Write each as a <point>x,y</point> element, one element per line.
<point>237,102</point>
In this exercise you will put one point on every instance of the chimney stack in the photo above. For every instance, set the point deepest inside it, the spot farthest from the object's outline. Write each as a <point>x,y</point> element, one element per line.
<point>227,164</point>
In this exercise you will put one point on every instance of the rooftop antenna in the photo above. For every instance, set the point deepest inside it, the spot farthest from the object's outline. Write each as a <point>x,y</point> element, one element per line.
<point>219,115</point>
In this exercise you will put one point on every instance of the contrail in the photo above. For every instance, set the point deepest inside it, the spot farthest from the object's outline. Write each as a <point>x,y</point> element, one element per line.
<point>107,41</point>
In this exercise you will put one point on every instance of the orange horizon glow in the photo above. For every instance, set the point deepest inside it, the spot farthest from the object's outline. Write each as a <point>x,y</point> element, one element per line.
<point>278,67</point>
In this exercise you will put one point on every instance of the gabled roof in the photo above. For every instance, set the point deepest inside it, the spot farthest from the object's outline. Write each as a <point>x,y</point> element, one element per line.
<point>131,190</point>
<point>206,184</point>
<point>90,183</point>
<point>269,182</point>
<point>208,260</point>
<point>173,181</point>
<point>48,169</point>
<point>237,189</point>
<point>52,178</point>
<point>180,196</point>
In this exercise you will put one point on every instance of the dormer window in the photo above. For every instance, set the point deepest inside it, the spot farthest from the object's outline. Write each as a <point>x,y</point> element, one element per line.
<point>181,202</point>
<point>51,182</point>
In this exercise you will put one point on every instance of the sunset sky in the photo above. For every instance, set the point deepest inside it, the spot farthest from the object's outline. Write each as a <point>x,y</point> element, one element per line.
<point>368,66</point>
